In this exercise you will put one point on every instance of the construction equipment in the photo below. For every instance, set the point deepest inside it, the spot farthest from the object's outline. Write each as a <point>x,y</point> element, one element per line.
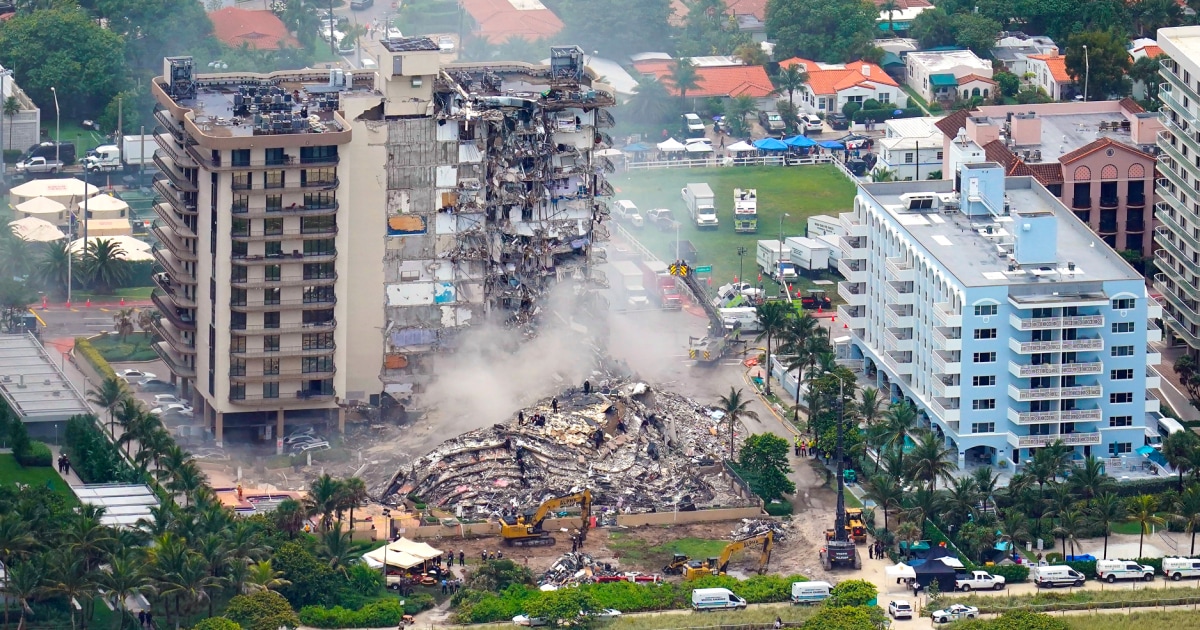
<point>525,530</point>
<point>816,298</point>
<point>855,529</point>
<point>711,347</point>
<point>695,569</point>
<point>840,549</point>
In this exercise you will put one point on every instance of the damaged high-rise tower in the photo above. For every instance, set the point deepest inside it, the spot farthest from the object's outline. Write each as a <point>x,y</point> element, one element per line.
<point>356,222</point>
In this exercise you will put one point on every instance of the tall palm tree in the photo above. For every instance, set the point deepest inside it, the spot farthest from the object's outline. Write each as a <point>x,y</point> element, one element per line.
<point>126,576</point>
<point>899,420</point>
<point>22,583</point>
<point>145,320</point>
<point>736,111</point>
<point>650,103</point>
<point>1015,525</point>
<point>1070,523</point>
<point>1143,510</point>
<point>14,255</point>
<point>289,517</point>
<point>1178,450</point>
<point>930,459</point>
<point>986,483</point>
<point>354,494</point>
<point>16,539</point>
<point>886,493</point>
<point>923,503</point>
<point>262,576</point>
<point>322,499</point>
<point>189,586</point>
<point>735,408</point>
<point>12,107</point>
<point>104,264</point>
<point>186,480</point>
<point>88,539</point>
<point>123,321</point>
<point>961,500</point>
<point>772,320</point>
<point>71,578</point>
<point>790,80</point>
<point>1046,465</point>
<point>337,548</point>
<point>1089,480</point>
<point>53,268</point>
<point>890,7</point>
<point>908,532</point>
<point>683,77</point>
<point>109,394</point>
<point>1187,513</point>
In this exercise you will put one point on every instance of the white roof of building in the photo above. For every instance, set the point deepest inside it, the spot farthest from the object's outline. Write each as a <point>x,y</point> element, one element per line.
<point>913,127</point>
<point>106,203</point>
<point>54,188</point>
<point>123,504</point>
<point>35,230</point>
<point>946,60</point>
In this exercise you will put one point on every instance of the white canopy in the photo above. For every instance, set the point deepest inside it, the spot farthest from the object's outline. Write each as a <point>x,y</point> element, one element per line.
<point>36,230</point>
<point>699,147</point>
<point>378,557</point>
<point>609,153</point>
<point>671,145</point>
<point>900,571</point>
<point>55,188</point>
<point>418,549</point>
<point>740,145</point>
<point>105,203</point>
<point>40,205</point>
<point>135,250</point>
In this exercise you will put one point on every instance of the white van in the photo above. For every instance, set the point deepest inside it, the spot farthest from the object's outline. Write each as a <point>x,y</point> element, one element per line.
<point>625,209</point>
<point>1112,570</point>
<point>716,599</point>
<point>1055,575</point>
<point>810,592</point>
<point>1176,568</point>
<point>744,317</point>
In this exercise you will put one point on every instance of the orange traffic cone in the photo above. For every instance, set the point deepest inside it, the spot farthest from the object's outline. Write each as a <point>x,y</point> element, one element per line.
<point>122,301</point>
<point>88,304</point>
<point>68,303</point>
<point>845,326</point>
<point>43,302</point>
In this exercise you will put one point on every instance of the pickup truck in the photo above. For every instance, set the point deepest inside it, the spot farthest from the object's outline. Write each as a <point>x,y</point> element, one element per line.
<point>979,581</point>
<point>37,165</point>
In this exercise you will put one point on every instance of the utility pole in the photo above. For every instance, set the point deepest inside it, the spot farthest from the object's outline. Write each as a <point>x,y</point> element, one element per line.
<point>839,524</point>
<point>3,172</point>
<point>741,251</point>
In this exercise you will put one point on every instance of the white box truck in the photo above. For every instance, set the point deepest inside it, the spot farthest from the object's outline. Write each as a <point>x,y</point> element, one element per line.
<point>744,318</point>
<point>823,225</point>
<point>137,150</point>
<point>810,592</point>
<point>807,254</point>
<point>631,284</point>
<point>716,599</point>
<point>774,261</point>
<point>701,205</point>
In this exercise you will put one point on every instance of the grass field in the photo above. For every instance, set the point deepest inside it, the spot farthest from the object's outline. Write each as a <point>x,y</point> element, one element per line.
<point>1174,619</point>
<point>635,550</point>
<point>764,614</point>
<point>800,192</point>
<point>1049,600</point>
<point>129,293</point>
<point>12,472</point>
<point>136,347</point>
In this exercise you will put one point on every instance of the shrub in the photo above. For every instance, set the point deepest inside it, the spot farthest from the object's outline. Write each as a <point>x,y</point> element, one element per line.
<point>1015,620</point>
<point>1012,573</point>
<point>414,604</point>
<point>94,458</point>
<point>90,354</point>
<point>783,508</point>
<point>852,593</point>
<point>264,610</point>
<point>34,454</point>
<point>216,623</point>
<point>378,614</point>
<point>1086,567</point>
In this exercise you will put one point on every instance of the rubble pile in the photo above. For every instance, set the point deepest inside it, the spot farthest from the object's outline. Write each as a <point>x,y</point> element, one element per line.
<point>578,567</point>
<point>637,448</point>
<point>756,527</point>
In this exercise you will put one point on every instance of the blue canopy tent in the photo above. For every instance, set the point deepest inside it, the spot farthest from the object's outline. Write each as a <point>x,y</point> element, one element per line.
<point>833,144</point>
<point>770,144</point>
<point>800,142</point>
<point>636,147</point>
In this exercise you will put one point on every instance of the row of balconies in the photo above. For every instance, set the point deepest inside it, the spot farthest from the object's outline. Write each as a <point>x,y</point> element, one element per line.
<point>1051,393</point>
<point>1069,439</point>
<point>296,256</point>
<point>1043,323</point>
<point>251,330</point>
<point>281,352</point>
<point>283,376</point>
<point>1069,345</point>
<point>292,233</point>
<point>321,302</point>
<point>1055,369</point>
<point>1047,417</point>
<point>290,210</point>
<point>291,280</point>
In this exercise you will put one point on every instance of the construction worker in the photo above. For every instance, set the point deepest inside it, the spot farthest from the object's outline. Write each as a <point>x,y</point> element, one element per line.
<point>796,441</point>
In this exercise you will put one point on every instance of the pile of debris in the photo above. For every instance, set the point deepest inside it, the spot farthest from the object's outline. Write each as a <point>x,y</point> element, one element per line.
<point>577,567</point>
<point>756,527</point>
<point>637,448</point>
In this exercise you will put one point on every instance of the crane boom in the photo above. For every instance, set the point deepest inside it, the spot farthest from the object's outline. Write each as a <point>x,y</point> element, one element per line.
<point>526,530</point>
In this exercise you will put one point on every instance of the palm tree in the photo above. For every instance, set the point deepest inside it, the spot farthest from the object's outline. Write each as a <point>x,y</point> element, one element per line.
<point>88,539</point>
<point>322,499</point>
<point>337,548</point>
<point>908,532</point>
<point>186,480</point>
<point>1143,510</point>
<point>22,583</point>
<point>12,107</point>
<point>985,482</point>
<point>737,109</point>
<point>1046,465</point>
<point>54,265</point>
<point>145,320</point>
<point>1089,480</point>
<point>899,420</point>
<point>750,54</point>
<point>684,77</point>
<point>123,323</point>
<point>930,459</point>
<point>354,494</point>
<point>289,517</point>
<point>650,103</point>
<point>104,264</point>
<point>14,256</point>
<point>1187,513</point>
<point>1069,525</point>
<point>1178,450</point>
<point>961,500</point>
<point>890,7</point>
<point>262,576</point>
<point>882,174</point>
<point>189,585</point>
<point>73,580</point>
<point>923,503</point>
<point>885,492</point>
<point>772,320</point>
<point>125,577</point>
<point>109,394</point>
<point>789,80</point>
<point>16,539</point>
<point>735,408</point>
<point>1015,525</point>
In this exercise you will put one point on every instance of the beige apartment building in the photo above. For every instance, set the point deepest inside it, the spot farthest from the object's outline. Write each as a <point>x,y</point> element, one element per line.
<point>325,234</point>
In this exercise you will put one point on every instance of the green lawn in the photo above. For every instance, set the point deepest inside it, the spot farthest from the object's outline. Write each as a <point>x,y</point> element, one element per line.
<point>1133,528</point>
<point>761,615</point>
<point>801,192</point>
<point>72,131</point>
<point>12,472</point>
<point>634,550</point>
<point>129,293</point>
<point>136,347</point>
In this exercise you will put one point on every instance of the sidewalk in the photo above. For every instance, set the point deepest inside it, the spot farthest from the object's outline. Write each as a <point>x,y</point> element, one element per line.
<point>1172,389</point>
<point>71,478</point>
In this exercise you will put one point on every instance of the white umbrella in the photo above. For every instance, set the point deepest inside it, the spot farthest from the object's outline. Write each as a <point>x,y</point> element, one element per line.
<point>55,188</point>
<point>35,230</point>
<point>740,145</point>
<point>40,205</point>
<point>671,145</point>
<point>105,203</point>
<point>135,250</point>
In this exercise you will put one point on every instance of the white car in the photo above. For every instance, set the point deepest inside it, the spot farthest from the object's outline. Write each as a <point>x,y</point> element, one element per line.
<point>133,376</point>
<point>525,620</point>
<point>306,447</point>
<point>166,399</point>
<point>308,434</point>
<point>900,609</point>
<point>955,613</point>
<point>173,408</point>
<point>693,123</point>
<point>394,33</point>
<point>445,43</point>
<point>605,613</point>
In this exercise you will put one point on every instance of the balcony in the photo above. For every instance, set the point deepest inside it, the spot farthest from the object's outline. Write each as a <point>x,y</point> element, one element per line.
<point>1044,323</point>
<point>1153,357</point>
<point>1081,345</point>
<point>898,315</point>
<point>1153,379</point>
<point>174,196</point>
<point>287,187</point>
<point>283,352</point>
<point>1046,417</point>
<point>1152,404</point>
<point>173,220</point>
<point>278,259</point>
<point>898,295</point>
<point>1135,227</point>
<point>1081,203</point>
<point>1107,227</point>
<point>283,329</point>
<point>1154,310</point>
<point>1165,72</point>
<point>292,210</point>
<point>179,275</point>
<point>1173,130</point>
<point>898,340</point>
<point>283,375</point>
<point>853,294</point>
<point>945,315</point>
<point>166,236</point>
<point>947,364</point>
<point>293,233</point>
<point>948,411</point>
<point>210,163</point>
<point>171,311</point>
<point>899,270</point>
<point>1109,202</point>
<point>947,339</point>
<point>179,366</point>
<point>1135,201</point>
<point>946,387</point>
<point>1070,345</point>
<point>852,225</point>
<point>163,281</point>
<point>173,338</point>
<point>1051,393</point>
<point>163,117</point>
<point>855,272</point>
<point>900,363</point>
<point>1153,332</point>
<point>1054,369</point>
<point>1038,441</point>
<point>853,247</point>
<point>294,280</point>
<point>279,305</point>
<point>173,150</point>
<point>167,167</point>
<point>854,317</point>
<point>299,396</point>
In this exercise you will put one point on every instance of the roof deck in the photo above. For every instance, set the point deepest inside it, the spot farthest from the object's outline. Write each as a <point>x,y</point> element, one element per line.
<point>32,383</point>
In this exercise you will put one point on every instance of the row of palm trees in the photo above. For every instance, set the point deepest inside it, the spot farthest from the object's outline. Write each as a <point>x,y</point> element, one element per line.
<point>102,266</point>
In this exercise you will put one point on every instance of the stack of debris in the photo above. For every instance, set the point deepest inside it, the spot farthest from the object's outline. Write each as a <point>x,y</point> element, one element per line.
<point>577,567</point>
<point>756,527</point>
<point>637,448</point>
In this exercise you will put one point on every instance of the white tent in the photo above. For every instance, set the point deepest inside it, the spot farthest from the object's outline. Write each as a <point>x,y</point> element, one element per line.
<point>900,571</point>
<point>105,203</point>
<point>65,191</point>
<point>378,557</point>
<point>671,145</point>
<point>135,250</point>
<point>739,146</point>
<point>40,205</point>
<point>35,230</point>
<point>418,549</point>
<point>699,147</point>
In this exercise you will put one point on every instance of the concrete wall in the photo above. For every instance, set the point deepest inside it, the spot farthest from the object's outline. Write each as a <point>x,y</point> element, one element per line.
<point>623,520</point>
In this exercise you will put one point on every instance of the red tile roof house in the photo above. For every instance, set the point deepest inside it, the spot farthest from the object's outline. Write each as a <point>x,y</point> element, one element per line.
<point>831,86</point>
<point>498,21</point>
<point>260,30</point>
<point>717,81</point>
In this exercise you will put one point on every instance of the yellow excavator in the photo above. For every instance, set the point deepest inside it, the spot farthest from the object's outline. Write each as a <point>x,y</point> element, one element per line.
<point>525,530</point>
<point>695,569</point>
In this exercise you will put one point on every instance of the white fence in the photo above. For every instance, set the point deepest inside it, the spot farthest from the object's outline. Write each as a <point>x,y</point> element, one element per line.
<point>758,160</point>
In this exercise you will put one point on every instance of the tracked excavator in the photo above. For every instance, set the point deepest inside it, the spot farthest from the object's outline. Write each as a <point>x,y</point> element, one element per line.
<point>525,530</point>
<point>839,550</point>
<point>712,346</point>
<point>695,569</point>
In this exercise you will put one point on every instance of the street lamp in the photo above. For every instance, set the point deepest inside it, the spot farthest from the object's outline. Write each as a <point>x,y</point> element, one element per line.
<point>1087,71</point>
<point>57,127</point>
<point>779,254</point>
<point>3,73</point>
<point>741,251</point>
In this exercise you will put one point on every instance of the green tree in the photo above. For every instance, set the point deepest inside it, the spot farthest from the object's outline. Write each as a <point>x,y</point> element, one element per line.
<point>289,517</point>
<point>66,49</point>
<point>216,623</point>
<point>123,323</point>
<point>1143,510</point>
<point>53,267</point>
<point>1151,15</point>
<point>932,28</point>
<point>707,30</point>
<point>104,265</point>
<point>1008,83</point>
<point>735,408</point>
<point>1179,450</point>
<point>1187,512</point>
<point>1106,66</point>
<point>683,77</point>
<point>125,577</point>
<point>885,492</point>
<point>889,8</point>
<point>264,610</point>
<point>930,459</point>
<point>322,499</point>
<point>1070,523</point>
<point>650,104</point>
<point>763,459</point>
<point>108,394</point>
<point>151,27</point>
<point>23,583</point>
<point>852,593</point>
<point>1089,480</point>
<point>736,111</point>
<point>975,32</point>
<point>12,107</point>
<point>791,79</point>
<point>772,320</point>
<point>311,582</point>
<point>561,607</point>
<point>986,482</point>
<point>353,494</point>
<point>1145,71</point>
<point>831,30</point>
<point>1188,371</point>
<point>337,548</point>
<point>498,575</point>
<point>841,618</point>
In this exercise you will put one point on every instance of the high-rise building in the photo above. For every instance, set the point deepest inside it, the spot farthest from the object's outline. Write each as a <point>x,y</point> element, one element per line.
<point>324,234</point>
<point>987,304</point>
<point>1178,211</point>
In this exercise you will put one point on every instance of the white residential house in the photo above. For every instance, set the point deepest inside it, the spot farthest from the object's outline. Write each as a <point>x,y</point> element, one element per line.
<point>831,86</point>
<point>1014,49</point>
<point>22,130</point>
<point>935,75</point>
<point>1050,73</point>
<point>911,147</point>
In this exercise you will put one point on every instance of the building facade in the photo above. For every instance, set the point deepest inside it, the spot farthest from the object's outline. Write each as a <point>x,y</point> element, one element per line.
<point>1050,74</point>
<point>1039,335</point>
<point>831,86</point>
<point>325,236</point>
<point>911,148</point>
<point>935,74</point>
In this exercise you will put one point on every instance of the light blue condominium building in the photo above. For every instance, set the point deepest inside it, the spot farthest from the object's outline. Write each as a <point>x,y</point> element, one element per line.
<point>1003,318</point>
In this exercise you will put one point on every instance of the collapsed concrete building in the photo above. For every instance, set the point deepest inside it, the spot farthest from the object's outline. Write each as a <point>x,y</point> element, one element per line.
<point>355,222</point>
<point>637,448</point>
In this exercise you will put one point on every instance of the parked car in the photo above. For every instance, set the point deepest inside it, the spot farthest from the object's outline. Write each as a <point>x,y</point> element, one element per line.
<point>856,141</point>
<point>954,613</point>
<point>445,43</point>
<point>838,122</point>
<point>133,376</point>
<point>900,609</point>
<point>394,33</point>
<point>605,613</point>
<point>359,5</point>
<point>300,434</point>
<point>173,408</point>
<point>301,440</point>
<point>771,122</point>
<point>151,385</point>
<point>305,447</point>
<point>812,123</point>
<point>166,399</point>
<point>527,621</point>
<point>693,123</point>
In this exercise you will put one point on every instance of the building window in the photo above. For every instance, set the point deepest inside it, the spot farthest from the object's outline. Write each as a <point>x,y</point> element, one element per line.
<point>939,156</point>
<point>983,427</point>
<point>240,157</point>
<point>237,321</point>
<point>270,390</point>
<point>319,247</point>
<point>1120,398</point>
<point>271,367</point>
<point>313,365</point>
<point>1120,375</point>
<point>241,180</point>
<point>237,367</point>
<point>272,227</point>
<point>237,297</point>
<point>274,203</point>
<point>884,97</point>
<point>318,200</point>
<point>316,155</point>
<point>318,177</point>
<point>239,227</point>
<point>276,157</point>
<point>241,203</point>
<point>271,296</point>
<point>318,225</point>
<point>1122,351</point>
<point>1120,448</point>
<point>272,273</point>
<point>983,381</point>
<point>271,343</point>
<point>984,357</point>
<point>1124,327</point>
<point>986,310</point>
<point>908,158</point>
<point>239,249</point>
<point>238,273</point>
<point>319,271</point>
<point>273,179</point>
<point>1120,421</point>
<point>317,295</point>
<point>273,249</point>
<point>237,391</point>
<point>985,333</point>
<point>318,341</point>
<point>271,319</point>
<point>982,404</point>
<point>1122,304</point>
<point>237,345</point>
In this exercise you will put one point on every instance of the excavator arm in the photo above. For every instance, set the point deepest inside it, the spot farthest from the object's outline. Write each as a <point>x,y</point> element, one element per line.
<point>764,541</point>
<point>582,499</point>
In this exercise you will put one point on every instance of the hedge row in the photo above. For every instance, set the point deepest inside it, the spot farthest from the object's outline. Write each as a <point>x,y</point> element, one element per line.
<point>1045,601</point>
<point>93,456</point>
<point>35,454</point>
<point>380,614</point>
<point>85,349</point>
